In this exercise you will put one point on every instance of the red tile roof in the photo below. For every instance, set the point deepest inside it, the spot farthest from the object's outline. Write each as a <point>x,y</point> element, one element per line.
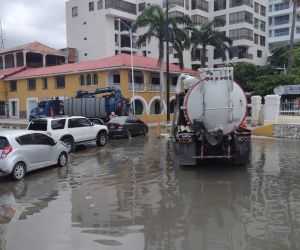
<point>35,46</point>
<point>9,72</point>
<point>114,62</point>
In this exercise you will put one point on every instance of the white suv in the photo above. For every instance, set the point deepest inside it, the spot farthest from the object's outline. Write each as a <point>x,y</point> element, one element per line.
<point>71,130</point>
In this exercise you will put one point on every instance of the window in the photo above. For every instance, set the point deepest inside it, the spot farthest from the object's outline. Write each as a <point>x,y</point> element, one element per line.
<point>220,21</point>
<point>41,139</point>
<point>82,122</point>
<point>31,84</point>
<point>281,32</point>
<point>235,3</point>
<point>279,20</point>
<point>116,24</point>
<point>91,6</point>
<point>259,53</point>
<point>85,38</point>
<point>240,17</point>
<point>81,80</point>
<point>256,8</point>
<point>282,6</point>
<point>187,5</point>
<point>73,123</point>
<point>298,30</point>
<point>142,6</point>
<point>199,20</point>
<point>75,11</point>
<point>270,21</point>
<point>58,124</point>
<point>60,82</point>
<point>243,33</point>
<point>116,52</point>
<point>256,23</point>
<point>13,86</point>
<point>263,10</point>
<point>262,26</point>
<point>256,38</point>
<point>88,80</point>
<point>95,79</point>
<point>217,54</point>
<point>200,5</point>
<point>44,83</point>
<point>262,41</point>
<point>270,33</point>
<point>219,5</point>
<point>25,140</point>
<point>144,52</point>
<point>100,4</point>
<point>40,125</point>
<point>270,8</point>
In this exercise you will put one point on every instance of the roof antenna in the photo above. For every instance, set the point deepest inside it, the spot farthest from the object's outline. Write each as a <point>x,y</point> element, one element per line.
<point>2,38</point>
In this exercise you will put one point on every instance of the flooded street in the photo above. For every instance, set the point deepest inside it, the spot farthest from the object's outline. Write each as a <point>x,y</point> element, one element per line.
<point>132,194</point>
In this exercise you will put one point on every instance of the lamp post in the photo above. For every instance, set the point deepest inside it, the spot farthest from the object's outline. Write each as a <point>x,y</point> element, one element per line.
<point>168,69</point>
<point>131,52</point>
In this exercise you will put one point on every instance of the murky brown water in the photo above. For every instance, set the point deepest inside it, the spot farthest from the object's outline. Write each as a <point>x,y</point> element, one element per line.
<point>133,195</point>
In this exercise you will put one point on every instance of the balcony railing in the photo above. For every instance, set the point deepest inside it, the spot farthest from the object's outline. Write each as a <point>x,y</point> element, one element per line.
<point>138,87</point>
<point>154,87</point>
<point>121,6</point>
<point>245,56</point>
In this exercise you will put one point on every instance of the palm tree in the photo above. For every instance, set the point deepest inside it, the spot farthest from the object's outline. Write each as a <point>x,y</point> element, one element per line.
<point>296,4</point>
<point>205,36</point>
<point>155,19</point>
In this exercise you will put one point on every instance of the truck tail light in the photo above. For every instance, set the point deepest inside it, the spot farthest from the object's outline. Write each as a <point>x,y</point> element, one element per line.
<point>6,151</point>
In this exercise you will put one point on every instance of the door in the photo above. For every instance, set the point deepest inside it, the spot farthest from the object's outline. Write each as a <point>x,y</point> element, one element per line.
<point>31,104</point>
<point>87,128</point>
<point>47,151</point>
<point>14,108</point>
<point>28,150</point>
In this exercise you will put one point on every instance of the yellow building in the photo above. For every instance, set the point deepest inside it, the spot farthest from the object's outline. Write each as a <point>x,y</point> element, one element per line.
<point>26,87</point>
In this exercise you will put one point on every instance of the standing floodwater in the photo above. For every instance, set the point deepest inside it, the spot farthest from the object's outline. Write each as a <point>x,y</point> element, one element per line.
<point>132,194</point>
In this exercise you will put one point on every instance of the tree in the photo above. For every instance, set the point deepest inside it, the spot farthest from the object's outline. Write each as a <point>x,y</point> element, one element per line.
<point>296,4</point>
<point>205,36</point>
<point>154,18</point>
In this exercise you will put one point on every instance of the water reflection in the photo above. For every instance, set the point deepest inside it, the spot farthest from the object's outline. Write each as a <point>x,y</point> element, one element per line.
<point>133,195</point>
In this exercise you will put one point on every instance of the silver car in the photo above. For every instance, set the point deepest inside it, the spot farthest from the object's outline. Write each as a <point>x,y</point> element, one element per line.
<point>22,151</point>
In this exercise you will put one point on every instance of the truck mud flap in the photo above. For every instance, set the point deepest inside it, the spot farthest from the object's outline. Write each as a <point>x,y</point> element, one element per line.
<point>186,154</point>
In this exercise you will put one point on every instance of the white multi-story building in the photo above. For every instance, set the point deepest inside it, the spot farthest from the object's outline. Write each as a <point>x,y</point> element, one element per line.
<point>100,28</point>
<point>280,23</point>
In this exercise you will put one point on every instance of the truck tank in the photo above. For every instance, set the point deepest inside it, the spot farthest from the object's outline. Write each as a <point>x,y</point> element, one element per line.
<point>211,112</point>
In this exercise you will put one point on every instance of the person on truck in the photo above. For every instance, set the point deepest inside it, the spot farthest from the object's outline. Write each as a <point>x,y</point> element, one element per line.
<point>112,115</point>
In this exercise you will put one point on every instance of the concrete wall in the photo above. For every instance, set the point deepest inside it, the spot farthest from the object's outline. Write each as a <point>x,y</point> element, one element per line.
<point>286,131</point>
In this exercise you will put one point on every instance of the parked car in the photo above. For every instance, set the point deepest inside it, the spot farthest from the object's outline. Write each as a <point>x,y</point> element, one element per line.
<point>23,151</point>
<point>71,130</point>
<point>126,126</point>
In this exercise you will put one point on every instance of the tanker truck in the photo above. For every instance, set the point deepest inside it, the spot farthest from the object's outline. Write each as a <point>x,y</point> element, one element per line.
<point>211,113</point>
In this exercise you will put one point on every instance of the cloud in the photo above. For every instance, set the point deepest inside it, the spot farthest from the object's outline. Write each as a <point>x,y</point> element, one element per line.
<point>26,21</point>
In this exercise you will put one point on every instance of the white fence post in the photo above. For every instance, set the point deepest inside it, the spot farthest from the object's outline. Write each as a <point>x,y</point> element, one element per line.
<point>255,110</point>
<point>272,105</point>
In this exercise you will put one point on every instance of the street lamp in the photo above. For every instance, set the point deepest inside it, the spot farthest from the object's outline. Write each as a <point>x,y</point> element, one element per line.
<point>132,74</point>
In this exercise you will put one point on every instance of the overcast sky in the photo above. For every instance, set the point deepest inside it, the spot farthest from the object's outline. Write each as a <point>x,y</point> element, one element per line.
<point>26,21</point>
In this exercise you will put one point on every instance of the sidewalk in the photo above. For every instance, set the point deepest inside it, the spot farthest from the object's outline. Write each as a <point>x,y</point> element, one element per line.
<point>13,121</point>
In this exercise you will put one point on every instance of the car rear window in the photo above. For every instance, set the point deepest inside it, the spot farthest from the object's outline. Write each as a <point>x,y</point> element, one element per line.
<point>38,125</point>
<point>3,143</point>
<point>58,124</point>
<point>118,120</point>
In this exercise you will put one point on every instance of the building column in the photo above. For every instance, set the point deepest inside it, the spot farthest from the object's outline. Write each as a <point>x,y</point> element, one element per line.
<point>3,60</point>
<point>15,59</point>
<point>24,58</point>
<point>44,60</point>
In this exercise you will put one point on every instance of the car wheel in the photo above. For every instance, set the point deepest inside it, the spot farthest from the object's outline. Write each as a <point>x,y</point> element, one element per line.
<point>128,134</point>
<point>102,139</point>
<point>62,159</point>
<point>19,171</point>
<point>69,144</point>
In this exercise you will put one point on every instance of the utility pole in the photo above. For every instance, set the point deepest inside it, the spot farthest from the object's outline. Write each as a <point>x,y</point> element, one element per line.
<point>168,73</point>
<point>1,36</point>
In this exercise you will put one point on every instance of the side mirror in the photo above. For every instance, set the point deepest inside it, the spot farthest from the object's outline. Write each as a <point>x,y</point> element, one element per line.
<point>53,142</point>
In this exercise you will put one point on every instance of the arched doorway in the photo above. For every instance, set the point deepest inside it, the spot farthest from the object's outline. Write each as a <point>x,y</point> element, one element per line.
<point>155,107</point>
<point>139,107</point>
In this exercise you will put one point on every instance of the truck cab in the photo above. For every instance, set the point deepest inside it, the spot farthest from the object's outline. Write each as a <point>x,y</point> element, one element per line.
<point>47,108</point>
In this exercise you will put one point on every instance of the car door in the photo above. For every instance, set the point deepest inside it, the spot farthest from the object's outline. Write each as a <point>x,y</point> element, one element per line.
<point>87,129</point>
<point>47,154</point>
<point>28,150</point>
<point>74,129</point>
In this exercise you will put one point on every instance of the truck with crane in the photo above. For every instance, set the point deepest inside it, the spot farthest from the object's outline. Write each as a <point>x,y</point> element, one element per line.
<point>211,112</point>
<point>87,104</point>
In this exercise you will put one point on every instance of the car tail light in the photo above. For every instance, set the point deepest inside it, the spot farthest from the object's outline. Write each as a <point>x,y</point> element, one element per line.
<point>6,151</point>
<point>120,126</point>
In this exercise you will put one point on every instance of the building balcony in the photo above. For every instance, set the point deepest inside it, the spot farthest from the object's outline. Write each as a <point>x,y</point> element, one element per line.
<point>245,56</point>
<point>154,87</point>
<point>138,87</point>
<point>121,5</point>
